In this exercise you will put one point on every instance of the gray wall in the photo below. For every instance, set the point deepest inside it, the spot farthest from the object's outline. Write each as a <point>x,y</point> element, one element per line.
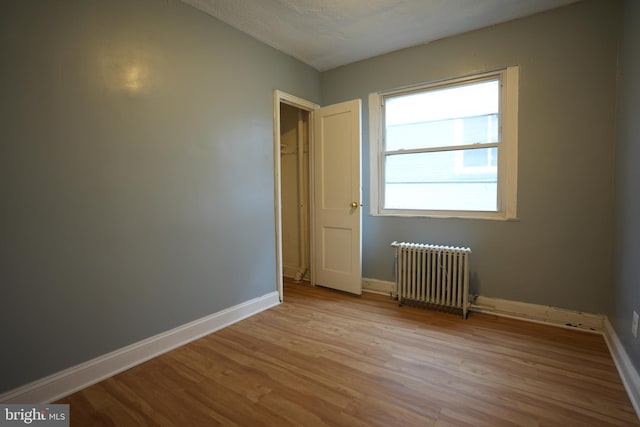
<point>559,253</point>
<point>626,289</point>
<point>138,199</point>
<point>132,201</point>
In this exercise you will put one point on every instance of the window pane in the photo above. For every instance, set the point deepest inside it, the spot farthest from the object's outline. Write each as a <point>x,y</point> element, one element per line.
<point>441,181</point>
<point>421,135</point>
<point>457,115</point>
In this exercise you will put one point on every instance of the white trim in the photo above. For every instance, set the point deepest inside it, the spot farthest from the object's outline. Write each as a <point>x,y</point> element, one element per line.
<point>290,272</point>
<point>513,309</point>
<point>286,98</point>
<point>507,158</point>
<point>509,192</point>
<point>379,286</point>
<point>77,377</point>
<point>375,151</point>
<point>539,313</point>
<point>628,373</point>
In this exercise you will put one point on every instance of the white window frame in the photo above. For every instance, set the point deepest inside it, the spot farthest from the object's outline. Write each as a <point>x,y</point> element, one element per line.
<point>507,148</point>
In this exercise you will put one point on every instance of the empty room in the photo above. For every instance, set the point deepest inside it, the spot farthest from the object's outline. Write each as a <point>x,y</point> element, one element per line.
<point>320,213</point>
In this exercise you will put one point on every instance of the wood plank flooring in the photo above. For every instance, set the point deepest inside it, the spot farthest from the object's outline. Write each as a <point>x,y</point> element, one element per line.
<point>324,358</point>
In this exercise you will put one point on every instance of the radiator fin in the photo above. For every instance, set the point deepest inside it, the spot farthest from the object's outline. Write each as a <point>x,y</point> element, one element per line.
<point>433,275</point>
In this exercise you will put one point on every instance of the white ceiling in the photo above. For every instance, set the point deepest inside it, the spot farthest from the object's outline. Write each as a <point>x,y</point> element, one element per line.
<point>328,33</point>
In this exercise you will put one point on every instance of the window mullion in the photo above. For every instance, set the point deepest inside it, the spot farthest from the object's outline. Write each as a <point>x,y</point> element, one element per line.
<point>443,148</point>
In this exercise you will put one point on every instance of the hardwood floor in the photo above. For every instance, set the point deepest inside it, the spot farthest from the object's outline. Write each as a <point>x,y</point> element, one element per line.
<point>324,358</point>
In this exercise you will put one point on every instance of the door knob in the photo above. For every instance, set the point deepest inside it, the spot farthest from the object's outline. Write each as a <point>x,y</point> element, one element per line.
<point>354,204</point>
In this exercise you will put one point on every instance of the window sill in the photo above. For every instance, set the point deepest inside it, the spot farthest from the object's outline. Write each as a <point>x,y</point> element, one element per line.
<point>490,216</point>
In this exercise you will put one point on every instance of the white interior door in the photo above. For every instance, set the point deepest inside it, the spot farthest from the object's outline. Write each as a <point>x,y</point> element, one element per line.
<point>337,196</point>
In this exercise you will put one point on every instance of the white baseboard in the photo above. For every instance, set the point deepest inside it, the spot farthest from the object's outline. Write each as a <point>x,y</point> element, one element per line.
<point>291,272</point>
<point>628,373</point>
<point>539,313</point>
<point>514,309</point>
<point>63,383</point>
<point>378,286</point>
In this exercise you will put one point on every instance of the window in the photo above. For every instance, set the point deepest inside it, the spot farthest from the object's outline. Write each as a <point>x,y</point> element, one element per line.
<point>447,148</point>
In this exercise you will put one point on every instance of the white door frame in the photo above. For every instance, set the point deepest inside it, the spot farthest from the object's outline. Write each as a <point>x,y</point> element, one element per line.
<point>286,98</point>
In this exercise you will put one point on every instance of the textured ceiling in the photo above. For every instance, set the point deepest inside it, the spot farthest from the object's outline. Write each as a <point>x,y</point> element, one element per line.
<point>328,33</point>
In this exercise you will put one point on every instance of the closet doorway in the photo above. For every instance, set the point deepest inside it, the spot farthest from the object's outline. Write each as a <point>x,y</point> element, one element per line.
<point>293,160</point>
<point>294,185</point>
